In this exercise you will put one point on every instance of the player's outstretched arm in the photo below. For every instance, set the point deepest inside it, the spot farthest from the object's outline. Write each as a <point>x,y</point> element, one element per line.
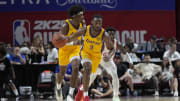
<point>107,40</point>
<point>74,36</point>
<point>109,45</point>
<point>119,46</point>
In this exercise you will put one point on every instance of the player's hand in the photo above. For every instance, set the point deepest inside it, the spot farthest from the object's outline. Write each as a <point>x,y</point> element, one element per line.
<point>77,42</point>
<point>68,39</point>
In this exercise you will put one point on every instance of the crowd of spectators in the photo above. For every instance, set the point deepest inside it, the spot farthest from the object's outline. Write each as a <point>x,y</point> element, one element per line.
<point>164,69</point>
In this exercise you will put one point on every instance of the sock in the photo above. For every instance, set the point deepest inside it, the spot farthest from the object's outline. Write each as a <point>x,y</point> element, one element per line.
<point>85,93</point>
<point>71,90</point>
<point>58,86</point>
<point>16,92</point>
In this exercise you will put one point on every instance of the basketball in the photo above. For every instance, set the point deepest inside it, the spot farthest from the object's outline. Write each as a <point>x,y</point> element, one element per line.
<point>59,40</point>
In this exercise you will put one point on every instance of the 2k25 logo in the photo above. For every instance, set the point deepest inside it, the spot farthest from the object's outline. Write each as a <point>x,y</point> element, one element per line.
<point>21,32</point>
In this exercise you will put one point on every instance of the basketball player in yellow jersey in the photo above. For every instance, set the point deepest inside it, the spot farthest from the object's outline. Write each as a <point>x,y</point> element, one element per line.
<point>70,52</point>
<point>94,36</point>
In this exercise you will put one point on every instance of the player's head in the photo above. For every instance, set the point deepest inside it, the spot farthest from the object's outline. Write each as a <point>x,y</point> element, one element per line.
<point>2,50</point>
<point>97,22</point>
<point>111,31</point>
<point>76,12</point>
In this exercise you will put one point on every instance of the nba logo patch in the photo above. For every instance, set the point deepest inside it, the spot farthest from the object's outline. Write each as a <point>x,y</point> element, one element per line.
<point>21,32</point>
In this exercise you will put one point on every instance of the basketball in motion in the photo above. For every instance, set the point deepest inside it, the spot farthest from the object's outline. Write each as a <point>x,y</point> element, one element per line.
<point>59,40</point>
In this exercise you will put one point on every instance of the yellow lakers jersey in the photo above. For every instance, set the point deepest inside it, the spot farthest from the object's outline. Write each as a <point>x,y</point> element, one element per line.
<point>69,50</point>
<point>93,43</point>
<point>72,29</point>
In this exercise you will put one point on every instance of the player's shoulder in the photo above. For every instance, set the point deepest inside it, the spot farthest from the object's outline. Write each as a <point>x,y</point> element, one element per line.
<point>67,20</point>
<point>65,23</point>
<point>65,27</point>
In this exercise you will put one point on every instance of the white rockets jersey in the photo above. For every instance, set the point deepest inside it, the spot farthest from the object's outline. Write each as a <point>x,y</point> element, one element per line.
<point>106,51</point>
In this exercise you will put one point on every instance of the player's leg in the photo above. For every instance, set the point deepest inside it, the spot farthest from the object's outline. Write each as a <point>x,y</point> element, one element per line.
<point>90,65</point>
<point>111,68</point>
<point>87,65</point>
<point>63,61</point>
<point>58,90</point>
<point>94,75</point>
<point>60,77</point>
<point>75,63</point>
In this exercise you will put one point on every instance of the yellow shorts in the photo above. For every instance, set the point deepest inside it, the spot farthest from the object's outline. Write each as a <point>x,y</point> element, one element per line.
<point>94,58</point>
<point>67,52</point>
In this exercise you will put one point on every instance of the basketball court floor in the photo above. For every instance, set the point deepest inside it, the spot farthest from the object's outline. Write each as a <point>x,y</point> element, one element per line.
<point>122,99</point>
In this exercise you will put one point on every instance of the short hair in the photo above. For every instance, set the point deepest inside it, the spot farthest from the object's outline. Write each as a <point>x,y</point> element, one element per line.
<point>117,55</point>
<point>97,16</point>
<point>75,9</point>
<point>153,37</point>
<point>172,41</point>
<point>110,29</point>
<point>147,55</point>
<point>51,44</point>
<point>3,50</point>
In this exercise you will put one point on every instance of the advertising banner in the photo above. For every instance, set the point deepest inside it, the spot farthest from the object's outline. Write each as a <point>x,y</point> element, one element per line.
<point>21,20</point>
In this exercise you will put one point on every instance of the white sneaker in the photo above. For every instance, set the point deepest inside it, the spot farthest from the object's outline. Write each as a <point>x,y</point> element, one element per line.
<point>70,98</point>
<point>116,98</point>
<point>156,93</point>
<point>176,94</point>
<point>59,96</point>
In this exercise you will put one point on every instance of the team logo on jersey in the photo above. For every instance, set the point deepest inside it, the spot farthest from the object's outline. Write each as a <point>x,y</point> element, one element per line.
<point>91,47</point>
<point>21,32</point>
<point>98,38</point>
